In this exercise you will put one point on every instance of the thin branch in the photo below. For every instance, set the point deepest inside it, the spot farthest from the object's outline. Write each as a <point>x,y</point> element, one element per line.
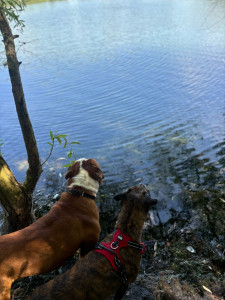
<point>50,153</point>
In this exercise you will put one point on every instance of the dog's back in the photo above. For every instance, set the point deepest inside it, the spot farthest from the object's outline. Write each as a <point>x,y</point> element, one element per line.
<point>45,244</point>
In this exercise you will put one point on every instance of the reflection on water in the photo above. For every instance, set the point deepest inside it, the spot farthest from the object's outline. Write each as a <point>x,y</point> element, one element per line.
<point>139,83</point>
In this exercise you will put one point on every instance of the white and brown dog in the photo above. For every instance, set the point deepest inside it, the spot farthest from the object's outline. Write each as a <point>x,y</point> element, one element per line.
<point>72,223</point>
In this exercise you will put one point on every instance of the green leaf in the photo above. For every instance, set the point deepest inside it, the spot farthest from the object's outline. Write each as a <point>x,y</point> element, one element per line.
<point>75,143</point>
<point>12,4</point>
<point>67,166</point>
<point>50,144</point>
<point>51,135</point>
<point>65,144</point>
<point>58,139</point>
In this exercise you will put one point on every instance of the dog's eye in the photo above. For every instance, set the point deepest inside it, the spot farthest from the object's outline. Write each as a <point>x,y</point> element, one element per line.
<point>95,168</point>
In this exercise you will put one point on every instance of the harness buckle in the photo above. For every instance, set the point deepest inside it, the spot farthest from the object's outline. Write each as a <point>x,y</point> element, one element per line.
<point>114,245</point>
<point>120,237</point>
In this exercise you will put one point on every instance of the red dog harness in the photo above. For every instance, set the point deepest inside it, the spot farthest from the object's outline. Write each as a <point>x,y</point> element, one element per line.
<point>111,251</point>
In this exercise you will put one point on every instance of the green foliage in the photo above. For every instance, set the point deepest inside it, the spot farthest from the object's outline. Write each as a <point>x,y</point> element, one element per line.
<point>62,139</point>
<point>1,143</point>
<point>12,9</point>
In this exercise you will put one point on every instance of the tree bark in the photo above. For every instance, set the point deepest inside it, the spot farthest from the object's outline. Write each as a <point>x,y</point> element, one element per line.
<point>35,168</point>
<point>16,203</point>
<point>16,198</point>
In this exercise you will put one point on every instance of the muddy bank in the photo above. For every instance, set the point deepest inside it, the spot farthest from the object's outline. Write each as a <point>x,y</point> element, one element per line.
<point>185,255</point>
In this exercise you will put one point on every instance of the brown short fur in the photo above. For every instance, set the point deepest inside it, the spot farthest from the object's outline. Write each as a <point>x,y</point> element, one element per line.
<point>93,278</point>
<point>72,223</point>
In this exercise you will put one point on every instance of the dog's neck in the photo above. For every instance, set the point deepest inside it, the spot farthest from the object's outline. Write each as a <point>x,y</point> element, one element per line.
<point>82,181</point>
<point>131,221</point>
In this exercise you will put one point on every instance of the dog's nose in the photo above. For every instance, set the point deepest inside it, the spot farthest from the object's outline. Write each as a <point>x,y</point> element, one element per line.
<point>153,201</point>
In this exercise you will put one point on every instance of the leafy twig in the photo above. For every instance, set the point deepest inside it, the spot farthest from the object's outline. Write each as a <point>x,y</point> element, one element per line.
<point>12,9</point>
<point>60,138</point>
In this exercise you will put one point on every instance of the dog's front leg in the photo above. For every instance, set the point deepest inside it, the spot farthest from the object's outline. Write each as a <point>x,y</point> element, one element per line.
<point>5,290</point>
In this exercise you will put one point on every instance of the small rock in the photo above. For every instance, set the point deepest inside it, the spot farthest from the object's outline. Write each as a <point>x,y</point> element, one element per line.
<point>56,197</point>
<point>190,249</point>
<point>154,218</point>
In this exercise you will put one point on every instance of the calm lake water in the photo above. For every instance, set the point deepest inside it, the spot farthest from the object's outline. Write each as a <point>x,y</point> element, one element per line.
<point>140,83</point>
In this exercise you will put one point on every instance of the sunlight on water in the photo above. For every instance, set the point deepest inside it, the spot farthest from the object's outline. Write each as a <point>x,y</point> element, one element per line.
<point>139,83</point>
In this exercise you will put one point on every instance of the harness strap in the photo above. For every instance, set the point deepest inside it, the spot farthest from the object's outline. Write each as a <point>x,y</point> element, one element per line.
<point>111,251</point>
<point>137,246</point>
<point>80,193</point>
<point>114,259</point>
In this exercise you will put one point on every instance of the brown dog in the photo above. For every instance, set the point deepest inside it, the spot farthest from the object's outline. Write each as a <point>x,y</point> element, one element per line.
<point>93,277</point>
<point>72,223</point>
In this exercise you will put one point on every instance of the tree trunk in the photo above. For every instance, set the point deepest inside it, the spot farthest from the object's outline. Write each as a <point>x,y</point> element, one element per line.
<point>35,169</point>
<point>15,197</point>
<point>16,203</point>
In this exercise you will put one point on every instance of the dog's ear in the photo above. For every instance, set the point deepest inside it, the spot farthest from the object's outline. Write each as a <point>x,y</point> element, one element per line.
<point>120,197</point>
<point>99,176</point>
<point>96,174</point>
<point>68,173</point>
<point>73,170</point>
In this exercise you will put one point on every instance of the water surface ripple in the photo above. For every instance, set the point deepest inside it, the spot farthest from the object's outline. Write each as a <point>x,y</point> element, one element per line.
<point>139,83</point>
